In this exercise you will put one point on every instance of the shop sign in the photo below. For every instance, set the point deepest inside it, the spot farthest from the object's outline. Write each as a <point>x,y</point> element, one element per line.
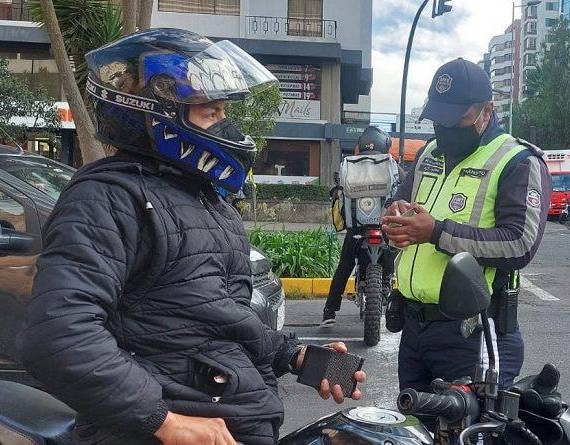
<point>299,109</point>
<point>300,86</point>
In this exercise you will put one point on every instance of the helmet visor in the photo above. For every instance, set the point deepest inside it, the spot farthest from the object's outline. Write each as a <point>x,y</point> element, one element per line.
<point>223,71</point>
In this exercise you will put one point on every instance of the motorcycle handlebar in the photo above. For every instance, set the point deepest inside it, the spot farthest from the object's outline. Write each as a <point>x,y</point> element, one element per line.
<point>450,405</point>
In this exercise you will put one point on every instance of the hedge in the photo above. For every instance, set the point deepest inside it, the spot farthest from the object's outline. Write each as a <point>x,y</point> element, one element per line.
<point>299,192</point>
<point>306,254</point>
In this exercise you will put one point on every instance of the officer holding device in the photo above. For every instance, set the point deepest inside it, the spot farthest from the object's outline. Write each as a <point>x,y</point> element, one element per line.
<point>476,189</point>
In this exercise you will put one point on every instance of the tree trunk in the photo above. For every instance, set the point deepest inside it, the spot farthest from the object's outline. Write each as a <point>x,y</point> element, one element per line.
<point>129,16</point>
<point>145,13</point>
<point>91,149</point>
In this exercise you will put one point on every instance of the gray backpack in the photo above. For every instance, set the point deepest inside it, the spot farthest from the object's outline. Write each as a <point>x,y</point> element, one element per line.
<point>366,182</point>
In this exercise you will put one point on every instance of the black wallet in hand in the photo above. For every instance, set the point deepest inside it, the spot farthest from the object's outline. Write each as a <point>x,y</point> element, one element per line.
<point>325,363</point>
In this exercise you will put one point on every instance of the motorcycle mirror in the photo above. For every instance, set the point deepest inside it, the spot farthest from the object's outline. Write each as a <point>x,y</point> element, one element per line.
<point>464,290</point>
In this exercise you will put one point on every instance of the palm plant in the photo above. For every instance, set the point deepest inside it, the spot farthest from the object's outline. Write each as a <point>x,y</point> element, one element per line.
<point>85,25</point>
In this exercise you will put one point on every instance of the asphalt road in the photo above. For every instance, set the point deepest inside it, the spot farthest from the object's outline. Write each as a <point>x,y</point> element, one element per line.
<point>544,315</point>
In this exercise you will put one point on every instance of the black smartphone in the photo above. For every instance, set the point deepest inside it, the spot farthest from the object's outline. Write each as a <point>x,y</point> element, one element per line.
<point>325,363</point>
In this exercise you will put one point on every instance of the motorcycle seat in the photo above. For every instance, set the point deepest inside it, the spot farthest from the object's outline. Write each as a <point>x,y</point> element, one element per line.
<point>29,416</point>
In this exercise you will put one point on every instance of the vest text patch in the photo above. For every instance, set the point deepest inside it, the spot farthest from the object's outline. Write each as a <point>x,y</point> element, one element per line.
<point>474,172</point>
<point>431,165</point>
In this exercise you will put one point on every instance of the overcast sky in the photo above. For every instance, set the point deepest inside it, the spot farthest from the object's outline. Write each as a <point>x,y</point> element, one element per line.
<point>464,32</point>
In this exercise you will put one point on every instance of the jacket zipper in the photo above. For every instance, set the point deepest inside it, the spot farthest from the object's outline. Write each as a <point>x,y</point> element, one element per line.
<point>208,209</point>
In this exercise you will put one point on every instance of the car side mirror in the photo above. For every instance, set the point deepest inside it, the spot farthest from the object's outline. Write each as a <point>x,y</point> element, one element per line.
<point>464,290</point>
<point>12,241</point>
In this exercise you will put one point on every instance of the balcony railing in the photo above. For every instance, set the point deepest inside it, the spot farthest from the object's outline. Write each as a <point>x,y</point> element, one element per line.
<point>271,27</point>
<point>14,12</point>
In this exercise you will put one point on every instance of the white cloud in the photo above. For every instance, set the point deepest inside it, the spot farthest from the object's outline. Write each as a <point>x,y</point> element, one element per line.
<point>464,32</point>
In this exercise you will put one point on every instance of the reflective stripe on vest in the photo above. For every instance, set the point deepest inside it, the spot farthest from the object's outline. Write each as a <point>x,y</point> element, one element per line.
<point>467,195</point>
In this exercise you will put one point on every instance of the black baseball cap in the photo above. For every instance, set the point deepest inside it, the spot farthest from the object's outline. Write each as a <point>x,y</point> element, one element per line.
<point>455,87</point>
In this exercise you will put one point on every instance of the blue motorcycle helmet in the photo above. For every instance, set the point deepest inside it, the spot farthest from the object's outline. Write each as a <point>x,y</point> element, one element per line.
<point>143,88</point>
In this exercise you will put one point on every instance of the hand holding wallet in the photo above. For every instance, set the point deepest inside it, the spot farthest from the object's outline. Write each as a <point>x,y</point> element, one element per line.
<point>325,363</point>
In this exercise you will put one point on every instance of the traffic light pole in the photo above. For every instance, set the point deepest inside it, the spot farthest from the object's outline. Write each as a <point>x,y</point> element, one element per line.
<point>405,81</point>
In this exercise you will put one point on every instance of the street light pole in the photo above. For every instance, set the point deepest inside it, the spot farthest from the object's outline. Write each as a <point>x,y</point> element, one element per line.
<point>512,71</point>
<point>405,80</point>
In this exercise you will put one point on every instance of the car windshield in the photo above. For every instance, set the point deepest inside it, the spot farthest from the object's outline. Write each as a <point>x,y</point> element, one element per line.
<point>43,174</point>
<point>561,183</point>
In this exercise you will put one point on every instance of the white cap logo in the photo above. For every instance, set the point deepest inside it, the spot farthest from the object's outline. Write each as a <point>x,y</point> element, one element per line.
<point>443,84</point>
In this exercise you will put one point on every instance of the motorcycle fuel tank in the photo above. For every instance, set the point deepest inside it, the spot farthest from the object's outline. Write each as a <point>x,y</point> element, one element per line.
<point>362,426</point>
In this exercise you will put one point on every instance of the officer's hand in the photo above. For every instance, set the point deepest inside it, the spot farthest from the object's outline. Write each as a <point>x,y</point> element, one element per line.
<point>415,229</point>
<point>185,430</point>
<point>336,391</point>
<point>397,208</point>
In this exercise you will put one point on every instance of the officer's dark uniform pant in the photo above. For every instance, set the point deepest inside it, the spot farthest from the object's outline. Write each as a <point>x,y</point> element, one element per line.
<point>346,265</point>
<point>438,350</point>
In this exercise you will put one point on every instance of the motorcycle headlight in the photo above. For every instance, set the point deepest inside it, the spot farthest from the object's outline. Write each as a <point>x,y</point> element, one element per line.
<point>366,204</point>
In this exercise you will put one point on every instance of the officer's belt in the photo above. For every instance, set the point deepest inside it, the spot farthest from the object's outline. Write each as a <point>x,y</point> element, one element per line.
<point>424,312</point>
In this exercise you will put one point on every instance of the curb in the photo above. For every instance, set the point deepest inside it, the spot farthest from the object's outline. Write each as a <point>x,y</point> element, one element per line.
<point>312,287</point>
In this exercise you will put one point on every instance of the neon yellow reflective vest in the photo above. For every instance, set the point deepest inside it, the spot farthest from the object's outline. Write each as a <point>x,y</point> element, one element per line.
<point>467,195</point>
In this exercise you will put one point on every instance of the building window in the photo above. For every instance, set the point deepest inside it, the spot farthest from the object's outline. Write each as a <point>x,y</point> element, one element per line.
<point>531,12</point>
<point>530,60</point>
<point>14,10</point>
<point>305,18</point>
<point>551,23</point>
<point>502,71</point>
<point>531,28</point>
<point>218,7</point>
<point>289,158</point>
<point>38,71</point>
<point>552,6</point>
<point>530,43</point>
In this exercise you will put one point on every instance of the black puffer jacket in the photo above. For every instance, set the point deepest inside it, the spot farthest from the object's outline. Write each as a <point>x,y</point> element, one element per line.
<point>142,293</point>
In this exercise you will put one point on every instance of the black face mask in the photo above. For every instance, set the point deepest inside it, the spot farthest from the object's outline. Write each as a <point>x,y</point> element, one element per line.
<point>225,129</point>
<point>457,141</point>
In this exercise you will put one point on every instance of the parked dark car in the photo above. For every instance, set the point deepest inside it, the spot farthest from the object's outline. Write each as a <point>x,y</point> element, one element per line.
<point>29,188</point>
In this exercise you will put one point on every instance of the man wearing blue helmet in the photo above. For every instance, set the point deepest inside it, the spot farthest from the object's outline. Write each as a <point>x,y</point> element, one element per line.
<point>140,317</point>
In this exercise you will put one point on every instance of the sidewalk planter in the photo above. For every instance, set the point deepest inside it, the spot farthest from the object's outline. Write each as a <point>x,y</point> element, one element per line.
<point>311,287</point>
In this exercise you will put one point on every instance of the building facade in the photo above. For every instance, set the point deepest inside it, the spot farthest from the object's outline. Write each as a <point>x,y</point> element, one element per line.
<point>536,23</point>
<point>485,63</point>
<point>319,50</point>
<point>565,9</point>
<point>26,47</point>
<point>504,69</point>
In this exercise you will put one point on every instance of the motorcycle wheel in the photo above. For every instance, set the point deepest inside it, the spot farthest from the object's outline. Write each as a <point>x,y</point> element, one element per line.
<point>373,308</point>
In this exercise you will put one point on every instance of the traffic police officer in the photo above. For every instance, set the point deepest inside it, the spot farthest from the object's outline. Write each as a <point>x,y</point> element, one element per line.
<point>474,189</point>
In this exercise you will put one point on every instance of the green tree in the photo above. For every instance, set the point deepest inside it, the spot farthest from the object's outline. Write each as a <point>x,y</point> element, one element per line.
<point>255,116</point>
<point>543,117</point>
<point>18,101</point>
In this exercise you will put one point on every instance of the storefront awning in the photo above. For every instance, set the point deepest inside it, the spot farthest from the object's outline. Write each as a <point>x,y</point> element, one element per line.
<point>411,148</point>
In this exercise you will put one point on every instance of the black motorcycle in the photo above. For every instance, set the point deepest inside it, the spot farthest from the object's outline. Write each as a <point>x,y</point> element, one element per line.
<point>467,411</point>
<point>371,284</point>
